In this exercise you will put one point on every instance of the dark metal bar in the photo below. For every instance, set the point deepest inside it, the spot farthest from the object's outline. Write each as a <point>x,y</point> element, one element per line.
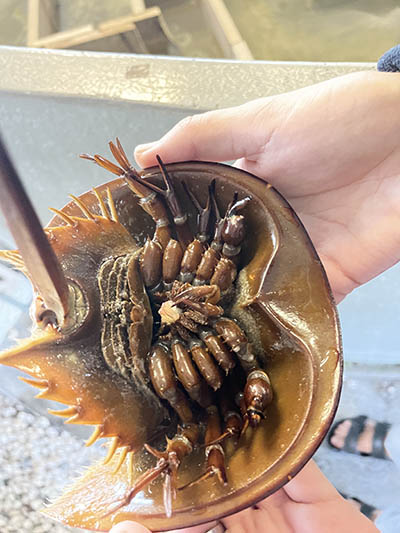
<point>39,258</point>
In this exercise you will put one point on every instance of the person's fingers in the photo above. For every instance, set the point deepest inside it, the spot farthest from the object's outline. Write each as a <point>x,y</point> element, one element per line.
<point>220,135</point>
<point>277,499</point>
<point>129,527</point>
<point>310,486</point>
<point>133,527</point>
<point>203,528</point>
<point>242,522</point>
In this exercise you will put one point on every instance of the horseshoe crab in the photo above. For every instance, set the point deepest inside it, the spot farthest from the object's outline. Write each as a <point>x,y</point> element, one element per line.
<point>183,312</point>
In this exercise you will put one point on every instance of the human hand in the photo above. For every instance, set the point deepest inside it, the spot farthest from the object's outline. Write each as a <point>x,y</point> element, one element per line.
<point>331,149</point>
<point>307,504</point>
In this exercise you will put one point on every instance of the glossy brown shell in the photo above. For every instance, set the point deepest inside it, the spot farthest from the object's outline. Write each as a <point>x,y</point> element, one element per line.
<point>285,304</point>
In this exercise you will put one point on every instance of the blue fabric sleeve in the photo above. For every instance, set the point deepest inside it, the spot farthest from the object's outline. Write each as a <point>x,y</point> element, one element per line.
<point>390,61</point>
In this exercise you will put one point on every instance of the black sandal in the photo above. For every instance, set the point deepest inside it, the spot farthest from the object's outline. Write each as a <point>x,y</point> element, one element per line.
<point>351,440</point>
<point>366,509</point>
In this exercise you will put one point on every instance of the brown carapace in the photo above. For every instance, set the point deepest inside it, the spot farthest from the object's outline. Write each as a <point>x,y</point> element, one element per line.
<point>157,341</point>
<point>165,315</point>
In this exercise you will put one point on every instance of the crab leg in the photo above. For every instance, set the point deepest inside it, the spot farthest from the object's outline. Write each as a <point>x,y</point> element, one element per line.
<point>229,235</point>
<point>211,293</point>
<point>171,262</point>
<point>40,261</point>
<point>191,260</point>
<point>257,392</point>
<point>151,263</point>
<point>217,242</point>
<point>214,452</point>
<point>257,396</point>
<point>205,363</point>
<point>165,383</point>
<point>206,266</point>
<point>180,218</point>
<point>224,274</point>
<point>218,349</point>
<point>211,256</point>
<point>233,421</point>
<point>233,231</point>
<point>204,213</point>
<point>168,463</point>
<point>194,252</point>
<point>188,375</point>
<point>218,264</point>
<point>231,333</point>
<point>149,194</point>
<point>153,205</point>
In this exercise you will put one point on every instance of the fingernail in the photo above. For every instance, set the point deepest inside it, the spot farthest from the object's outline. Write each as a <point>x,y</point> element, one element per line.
<point>141,148</point>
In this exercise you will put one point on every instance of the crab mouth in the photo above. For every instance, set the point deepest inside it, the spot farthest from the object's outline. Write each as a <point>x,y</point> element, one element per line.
<point>187,309</point>
<point>169,312</point>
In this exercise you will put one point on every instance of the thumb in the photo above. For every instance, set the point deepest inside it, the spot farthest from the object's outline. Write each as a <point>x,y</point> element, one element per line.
<point>129,527</point>
<point>134,527</point>
<point>221,135</point>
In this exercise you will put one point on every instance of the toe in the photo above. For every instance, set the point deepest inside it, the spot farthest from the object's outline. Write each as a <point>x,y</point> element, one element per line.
<point>365,441</point>
<point>337,441</point>
<point>340,433</point>
<point>344,427</point>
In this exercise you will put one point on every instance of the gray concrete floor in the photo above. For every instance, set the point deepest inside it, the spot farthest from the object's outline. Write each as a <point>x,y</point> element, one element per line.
<point>373,391</point>
<point>36,459</point>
